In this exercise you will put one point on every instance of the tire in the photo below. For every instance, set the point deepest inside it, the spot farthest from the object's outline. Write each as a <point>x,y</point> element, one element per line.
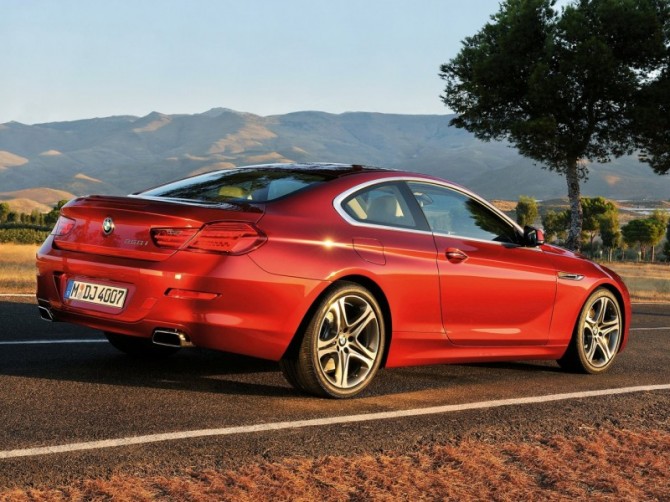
<point>139,347</point>
<point>597,336</point>
<point>342,346</point>
<point>290,372</point>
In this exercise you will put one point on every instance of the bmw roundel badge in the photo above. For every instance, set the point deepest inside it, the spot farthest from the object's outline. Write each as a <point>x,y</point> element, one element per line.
<point>107,226</point>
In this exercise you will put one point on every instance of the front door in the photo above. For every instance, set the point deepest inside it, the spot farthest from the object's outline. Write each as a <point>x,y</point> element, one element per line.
<point>493,291</point>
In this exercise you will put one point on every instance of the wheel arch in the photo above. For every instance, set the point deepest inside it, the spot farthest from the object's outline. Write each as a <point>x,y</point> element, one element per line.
<point>363,281</point>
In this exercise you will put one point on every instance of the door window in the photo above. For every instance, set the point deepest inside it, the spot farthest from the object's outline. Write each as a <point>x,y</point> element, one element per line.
<point>450,212</point>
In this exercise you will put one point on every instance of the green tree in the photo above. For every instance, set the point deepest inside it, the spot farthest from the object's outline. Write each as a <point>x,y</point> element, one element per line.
<point>566,88</point>
<point>643,233</point>
<point>610,232</point>
<point>526,211</point>
<point>555,224</point>
<point>593,208</point>
<point>666,246</point>
<point>4,211</point>
<point>52,216</point>
<point>660,221</point>
<point>652,120</point>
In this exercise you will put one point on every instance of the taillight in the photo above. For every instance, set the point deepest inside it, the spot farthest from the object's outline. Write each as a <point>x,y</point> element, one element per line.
<point>63,226</point>
<point>172,238</point>
<point>228,237</point>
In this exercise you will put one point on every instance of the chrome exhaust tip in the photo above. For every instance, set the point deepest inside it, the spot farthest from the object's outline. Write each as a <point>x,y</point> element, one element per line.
<point>171,338</point>
<point>44,308</point>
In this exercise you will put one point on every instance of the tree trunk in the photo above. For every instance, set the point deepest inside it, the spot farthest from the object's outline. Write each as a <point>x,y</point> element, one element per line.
<point>574,241</point>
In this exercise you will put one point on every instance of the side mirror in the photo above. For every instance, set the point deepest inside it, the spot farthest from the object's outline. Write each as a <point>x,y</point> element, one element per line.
<point>533,237</point>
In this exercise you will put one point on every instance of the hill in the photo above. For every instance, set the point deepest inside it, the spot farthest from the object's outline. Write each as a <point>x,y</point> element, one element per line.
<point>123,154</point>
<point>29,199</point>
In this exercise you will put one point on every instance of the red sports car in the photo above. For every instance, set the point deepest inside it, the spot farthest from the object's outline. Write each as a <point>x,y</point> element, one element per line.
<point>333,270</point>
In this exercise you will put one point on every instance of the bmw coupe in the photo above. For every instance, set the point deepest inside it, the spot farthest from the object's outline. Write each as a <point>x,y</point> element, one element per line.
<point>333,270</point>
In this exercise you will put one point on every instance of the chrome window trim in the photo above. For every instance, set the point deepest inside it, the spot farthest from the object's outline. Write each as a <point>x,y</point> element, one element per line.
<point>339,200</point>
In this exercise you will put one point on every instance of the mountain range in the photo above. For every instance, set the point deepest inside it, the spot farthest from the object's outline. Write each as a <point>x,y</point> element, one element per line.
<point>42,163</point>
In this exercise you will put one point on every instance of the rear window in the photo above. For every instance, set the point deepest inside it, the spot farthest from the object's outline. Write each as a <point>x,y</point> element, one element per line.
<point>241,185</point>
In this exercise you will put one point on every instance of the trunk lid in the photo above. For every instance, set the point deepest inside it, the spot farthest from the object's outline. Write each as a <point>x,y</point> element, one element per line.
<point>122,226</point>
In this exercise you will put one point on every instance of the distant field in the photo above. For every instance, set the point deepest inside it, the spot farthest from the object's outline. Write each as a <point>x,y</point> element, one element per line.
<point>646,281</point>
<point>17,268</point>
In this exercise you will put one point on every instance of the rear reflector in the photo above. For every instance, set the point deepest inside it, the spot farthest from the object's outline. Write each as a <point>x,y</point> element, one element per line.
<point>172,238</point>
<point>187,294</point>
<point>63,226</point>
<point>228,237</point>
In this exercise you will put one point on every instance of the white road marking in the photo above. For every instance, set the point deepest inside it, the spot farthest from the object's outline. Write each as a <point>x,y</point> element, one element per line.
<point>317,422</point>
<point>650,329</point>
<point>49,342</point>
<point>19,295</point>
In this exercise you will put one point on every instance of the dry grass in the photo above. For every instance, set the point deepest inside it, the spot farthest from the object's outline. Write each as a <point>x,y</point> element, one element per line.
<point>593,465</point>
<point>17,268</point>
<point>647,282</point>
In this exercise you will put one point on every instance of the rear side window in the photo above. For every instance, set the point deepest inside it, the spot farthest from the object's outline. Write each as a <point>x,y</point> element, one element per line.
<point>241,185</point>
<point>380,205</point>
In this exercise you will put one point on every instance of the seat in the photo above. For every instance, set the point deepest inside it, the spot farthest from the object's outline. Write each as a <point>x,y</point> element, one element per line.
<point>232,192</point>
<point>384,209</point>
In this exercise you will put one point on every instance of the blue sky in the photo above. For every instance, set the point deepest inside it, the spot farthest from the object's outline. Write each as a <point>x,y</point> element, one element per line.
<point>70,59</point>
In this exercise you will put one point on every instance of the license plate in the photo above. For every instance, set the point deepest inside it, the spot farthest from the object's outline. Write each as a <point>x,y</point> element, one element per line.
<point>99,294</point>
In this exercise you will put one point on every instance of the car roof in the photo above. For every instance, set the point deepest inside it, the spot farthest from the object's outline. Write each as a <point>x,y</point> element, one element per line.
<point>331,170</point>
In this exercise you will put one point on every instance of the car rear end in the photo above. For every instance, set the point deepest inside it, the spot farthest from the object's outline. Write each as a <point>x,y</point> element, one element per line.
<point>173,264</point>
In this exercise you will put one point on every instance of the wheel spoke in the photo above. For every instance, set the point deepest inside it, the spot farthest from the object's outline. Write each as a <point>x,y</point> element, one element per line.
<point>326,347</point>
<point>600,317</point>
<point>363,354</point>
<point>590,349</point>
<point>363,321</point>
<point>590,322</point>
<point>342,370</point>
<point>604,347</point>
<point>610,328</point>
<point>338,309</point>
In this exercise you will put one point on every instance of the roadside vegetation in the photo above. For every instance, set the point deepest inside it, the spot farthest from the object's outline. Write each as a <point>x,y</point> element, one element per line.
<point>647,282</point>
<point>24,228</point>
<point>590,465</point>
<point>640,239</point>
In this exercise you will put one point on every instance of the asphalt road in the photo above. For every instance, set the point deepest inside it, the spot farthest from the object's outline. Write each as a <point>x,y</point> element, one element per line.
<point>54,394</point>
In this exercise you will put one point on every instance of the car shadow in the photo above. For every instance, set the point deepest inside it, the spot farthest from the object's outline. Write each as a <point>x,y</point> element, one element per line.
<point>524,366</point>
<point>201,370</point>
<point>197,370</point>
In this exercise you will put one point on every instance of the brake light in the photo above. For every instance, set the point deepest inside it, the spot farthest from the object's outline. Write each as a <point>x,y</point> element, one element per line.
<point>172,238</point>
<point>228,237</point>
<point>63,226</point>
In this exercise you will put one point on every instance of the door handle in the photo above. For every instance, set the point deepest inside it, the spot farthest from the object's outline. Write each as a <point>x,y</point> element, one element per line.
<point>456,255</point>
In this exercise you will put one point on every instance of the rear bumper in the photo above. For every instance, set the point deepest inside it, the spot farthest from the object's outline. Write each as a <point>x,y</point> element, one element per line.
<point>253,313</point>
